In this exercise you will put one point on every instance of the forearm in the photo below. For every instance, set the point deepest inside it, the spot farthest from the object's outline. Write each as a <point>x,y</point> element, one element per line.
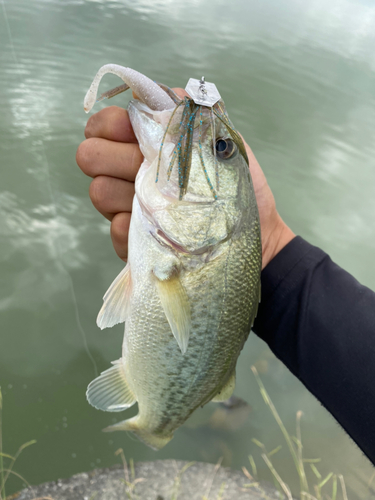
<point>321,323</point>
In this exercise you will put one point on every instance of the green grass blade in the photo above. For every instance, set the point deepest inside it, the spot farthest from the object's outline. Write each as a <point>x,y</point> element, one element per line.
<point>25,445</point>
<point>295,440</point>
<point>325,480</point>
<point>308,495</point>
<point>285,433</point>
<point>211,482</point>
<point>274,451</point>
<point>303,479</point>
<point>221,491</point>
<point>132,471</point>
<point>177,481</point>
<point>19,451</point>
<point>343,487</point>
<point>120,452</point>
<point>20,477</point>
<point>315,471</point>
<point>253,466</point>
<point>334,487</point>
<point>284,486</point>
<point>258,443</point>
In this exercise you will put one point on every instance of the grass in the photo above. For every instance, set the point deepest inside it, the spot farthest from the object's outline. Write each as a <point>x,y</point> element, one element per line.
<point>177,481</point>
<point>130,480</point>
<point>308,490</point>
<point>7,470</point>
<point>330,487</point>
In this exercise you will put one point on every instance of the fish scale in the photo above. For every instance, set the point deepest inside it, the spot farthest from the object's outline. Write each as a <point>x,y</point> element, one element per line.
<point>191,288</point>
<point>190,380</point>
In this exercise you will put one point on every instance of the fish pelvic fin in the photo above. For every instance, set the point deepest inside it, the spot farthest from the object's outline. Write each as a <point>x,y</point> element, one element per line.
<point>175,303</point>
<point>110,391</point>
<point>116,301</point>
<point>227,391</point>
<point>153,440</point>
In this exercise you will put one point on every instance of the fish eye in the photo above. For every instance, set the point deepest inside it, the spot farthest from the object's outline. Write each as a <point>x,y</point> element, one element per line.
<point>225,148</point>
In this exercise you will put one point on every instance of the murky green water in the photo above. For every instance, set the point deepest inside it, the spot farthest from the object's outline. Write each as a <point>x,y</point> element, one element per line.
<point>298,80</point>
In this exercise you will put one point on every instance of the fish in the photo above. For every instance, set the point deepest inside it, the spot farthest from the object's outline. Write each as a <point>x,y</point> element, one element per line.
<point>190,289</point>
<point>230,415</point>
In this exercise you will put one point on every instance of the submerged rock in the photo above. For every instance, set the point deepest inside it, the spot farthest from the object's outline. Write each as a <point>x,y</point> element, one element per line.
<point>159,480</point>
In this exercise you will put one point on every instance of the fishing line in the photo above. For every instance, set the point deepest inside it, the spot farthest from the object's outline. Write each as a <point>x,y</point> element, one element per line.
<point>61,266</point>
<point>56,253</point>
<point>9,32</point>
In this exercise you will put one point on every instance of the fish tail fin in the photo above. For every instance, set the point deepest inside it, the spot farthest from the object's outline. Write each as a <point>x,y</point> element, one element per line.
<point>154,441</point>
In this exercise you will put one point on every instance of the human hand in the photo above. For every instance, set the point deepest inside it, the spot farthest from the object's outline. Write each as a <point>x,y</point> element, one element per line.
<point>110,154</point>
<point>275,233</point>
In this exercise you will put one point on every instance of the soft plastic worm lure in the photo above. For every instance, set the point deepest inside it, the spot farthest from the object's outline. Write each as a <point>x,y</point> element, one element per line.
<point>204,95</point>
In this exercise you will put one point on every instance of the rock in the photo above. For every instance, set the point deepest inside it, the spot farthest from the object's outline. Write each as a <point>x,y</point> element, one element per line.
<point>159,480</point>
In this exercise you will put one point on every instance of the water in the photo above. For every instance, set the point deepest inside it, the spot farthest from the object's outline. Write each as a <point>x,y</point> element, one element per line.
<point>297,78</point>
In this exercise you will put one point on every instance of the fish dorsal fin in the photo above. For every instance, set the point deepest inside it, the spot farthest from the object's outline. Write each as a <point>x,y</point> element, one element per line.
<point>176,307</point>
<point>227,390</point>
<point>116,299</point>
<point>110,391</point>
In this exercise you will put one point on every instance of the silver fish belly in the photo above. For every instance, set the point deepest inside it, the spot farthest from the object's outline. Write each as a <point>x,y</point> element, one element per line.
<point>191,287</point>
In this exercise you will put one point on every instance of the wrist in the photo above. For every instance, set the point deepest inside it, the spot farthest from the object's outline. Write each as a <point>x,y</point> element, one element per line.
<point>276,239</point>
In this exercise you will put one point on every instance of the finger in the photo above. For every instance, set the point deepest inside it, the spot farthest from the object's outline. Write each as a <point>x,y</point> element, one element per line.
<point>111,123</point>
<point>119,233</point>
<point>180,92</point>
<point>110,195</point>
<point>96,156</point>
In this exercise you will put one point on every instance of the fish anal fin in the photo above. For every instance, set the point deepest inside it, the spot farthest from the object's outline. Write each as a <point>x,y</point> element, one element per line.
<point>175,303</point>
<point>227,391</point>
<point>110,391</point>
<point>153,440</point>
<point>116,300</point>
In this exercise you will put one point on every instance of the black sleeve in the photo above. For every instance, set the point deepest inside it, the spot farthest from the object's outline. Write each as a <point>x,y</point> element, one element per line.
<point>320,322</point>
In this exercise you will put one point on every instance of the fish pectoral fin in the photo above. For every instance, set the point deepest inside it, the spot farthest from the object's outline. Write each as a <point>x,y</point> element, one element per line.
<point>110,391</point>
<point>116,300</point>
<point>226,391</point>
<point>176,307</point>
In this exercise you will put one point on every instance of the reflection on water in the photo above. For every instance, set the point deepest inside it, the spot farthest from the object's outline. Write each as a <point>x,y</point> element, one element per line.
<point>298,80</point>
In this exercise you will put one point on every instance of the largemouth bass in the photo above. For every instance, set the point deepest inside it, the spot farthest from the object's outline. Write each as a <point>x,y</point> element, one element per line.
<point>191,287</point>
